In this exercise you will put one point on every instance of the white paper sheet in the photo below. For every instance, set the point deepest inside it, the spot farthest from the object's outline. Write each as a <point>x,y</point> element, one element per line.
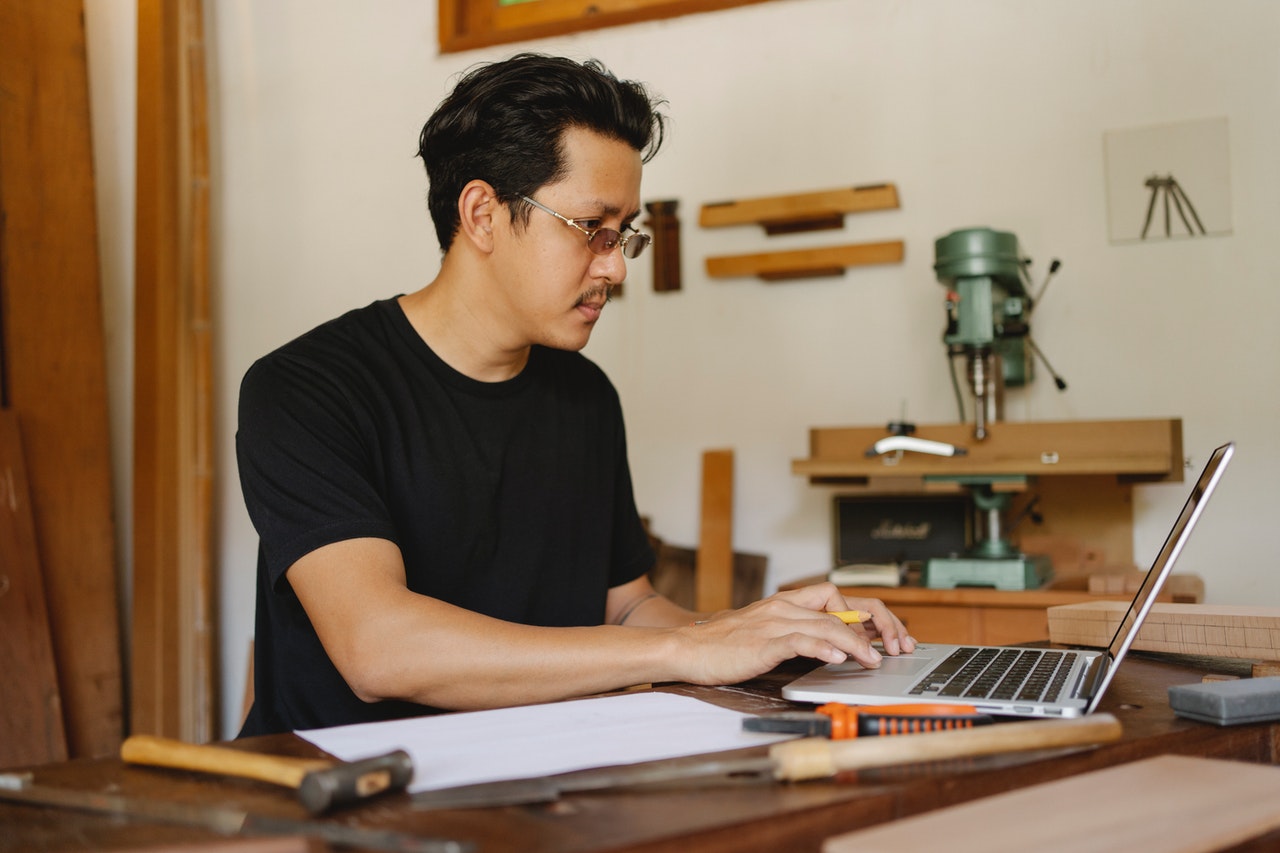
<point>541,740</point>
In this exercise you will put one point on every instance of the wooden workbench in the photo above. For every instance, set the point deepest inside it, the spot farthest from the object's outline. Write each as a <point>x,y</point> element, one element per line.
<point>696,819</point>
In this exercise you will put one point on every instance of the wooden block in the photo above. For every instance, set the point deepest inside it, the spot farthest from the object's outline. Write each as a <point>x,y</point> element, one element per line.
<point>1215,630</point>
<point>714,572</point>
<point>1171,802</point>
<point>1183,589</point>
<point>802,211</point>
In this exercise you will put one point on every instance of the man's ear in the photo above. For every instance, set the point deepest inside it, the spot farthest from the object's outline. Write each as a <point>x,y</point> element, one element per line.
<point>477,209</point>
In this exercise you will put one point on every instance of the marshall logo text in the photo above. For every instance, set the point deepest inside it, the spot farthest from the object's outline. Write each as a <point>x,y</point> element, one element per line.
<point>895,531</point>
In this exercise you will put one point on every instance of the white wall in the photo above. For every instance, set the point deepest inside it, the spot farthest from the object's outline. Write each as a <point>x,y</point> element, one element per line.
<point>988,112</point>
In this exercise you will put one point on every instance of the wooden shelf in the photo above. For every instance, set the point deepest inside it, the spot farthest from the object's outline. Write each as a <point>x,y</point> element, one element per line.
<point>1132,450</point>
<point>805,263</point>
<point>784,214</point>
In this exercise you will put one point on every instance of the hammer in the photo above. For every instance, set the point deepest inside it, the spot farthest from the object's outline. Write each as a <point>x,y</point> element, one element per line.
<point>321,784</point>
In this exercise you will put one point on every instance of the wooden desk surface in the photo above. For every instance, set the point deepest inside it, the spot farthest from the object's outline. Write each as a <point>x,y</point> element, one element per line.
<point>746,817</point>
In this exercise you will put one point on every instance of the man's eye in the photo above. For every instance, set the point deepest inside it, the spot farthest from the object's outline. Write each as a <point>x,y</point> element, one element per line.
<point>589,224</point>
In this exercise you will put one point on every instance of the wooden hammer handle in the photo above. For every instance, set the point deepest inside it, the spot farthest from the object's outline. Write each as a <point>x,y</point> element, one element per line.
<point>166,752</point>
<point>818,758</point>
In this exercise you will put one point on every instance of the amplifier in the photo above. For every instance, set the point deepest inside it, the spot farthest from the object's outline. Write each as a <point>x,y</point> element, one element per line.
<point>900,528</point>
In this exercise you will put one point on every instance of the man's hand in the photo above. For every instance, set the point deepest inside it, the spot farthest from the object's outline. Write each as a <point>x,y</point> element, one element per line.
<point>735,645</point>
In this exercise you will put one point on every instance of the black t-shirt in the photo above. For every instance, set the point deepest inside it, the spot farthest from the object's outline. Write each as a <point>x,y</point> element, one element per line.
<point>511,499</point>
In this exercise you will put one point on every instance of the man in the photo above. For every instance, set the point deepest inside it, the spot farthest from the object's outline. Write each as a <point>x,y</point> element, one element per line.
<point>440,480</point>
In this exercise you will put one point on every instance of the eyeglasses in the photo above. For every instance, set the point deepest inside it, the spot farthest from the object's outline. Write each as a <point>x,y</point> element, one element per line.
<point>602,241</point>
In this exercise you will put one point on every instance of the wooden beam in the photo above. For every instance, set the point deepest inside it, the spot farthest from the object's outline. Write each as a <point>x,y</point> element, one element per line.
<point>806,263</point>
<point>714,573</point>
<point>173,684</point>
<point>469,24</point>
<point>786,213</point>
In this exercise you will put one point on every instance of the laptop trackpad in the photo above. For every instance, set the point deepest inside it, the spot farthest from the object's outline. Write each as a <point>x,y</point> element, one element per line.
<point>896,673</point>
<point>904,665</point>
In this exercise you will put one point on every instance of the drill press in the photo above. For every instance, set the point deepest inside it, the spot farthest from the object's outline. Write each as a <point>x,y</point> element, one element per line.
<point>988,323</point>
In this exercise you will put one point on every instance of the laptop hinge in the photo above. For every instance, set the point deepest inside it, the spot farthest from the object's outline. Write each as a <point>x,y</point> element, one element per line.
<point>1093,676</point>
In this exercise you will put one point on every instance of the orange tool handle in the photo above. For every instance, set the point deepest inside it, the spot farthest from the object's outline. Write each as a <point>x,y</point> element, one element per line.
<point>850,722</point>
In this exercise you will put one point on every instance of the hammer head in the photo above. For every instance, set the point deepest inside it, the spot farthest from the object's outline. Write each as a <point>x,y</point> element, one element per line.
<point>350,782</point>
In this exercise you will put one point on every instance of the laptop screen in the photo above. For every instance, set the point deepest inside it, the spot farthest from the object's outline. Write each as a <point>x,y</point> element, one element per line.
<point>1151,584</point>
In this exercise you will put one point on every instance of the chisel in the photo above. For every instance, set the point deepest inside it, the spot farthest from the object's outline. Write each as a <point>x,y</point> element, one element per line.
<point>791,761</point>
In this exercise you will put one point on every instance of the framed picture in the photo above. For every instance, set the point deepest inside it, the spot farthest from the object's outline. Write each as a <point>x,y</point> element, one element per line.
<point>1168,182</point>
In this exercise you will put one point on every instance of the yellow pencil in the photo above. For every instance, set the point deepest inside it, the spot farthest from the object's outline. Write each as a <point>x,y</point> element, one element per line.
<point>850,617</point>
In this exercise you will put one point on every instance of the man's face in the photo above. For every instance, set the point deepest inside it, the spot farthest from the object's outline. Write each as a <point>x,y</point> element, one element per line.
<point>554,287</point>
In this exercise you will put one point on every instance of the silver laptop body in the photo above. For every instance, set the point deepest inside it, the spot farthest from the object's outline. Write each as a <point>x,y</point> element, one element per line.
<point>1011,680</point>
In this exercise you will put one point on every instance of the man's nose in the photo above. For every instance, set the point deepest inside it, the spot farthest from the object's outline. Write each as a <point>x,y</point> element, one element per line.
<point>611,266</point>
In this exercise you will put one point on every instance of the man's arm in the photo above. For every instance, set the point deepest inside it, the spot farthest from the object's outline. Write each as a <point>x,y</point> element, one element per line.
<point>391,643</point>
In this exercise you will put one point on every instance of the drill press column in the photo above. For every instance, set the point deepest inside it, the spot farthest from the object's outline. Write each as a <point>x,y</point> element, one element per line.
<point>992,561</point>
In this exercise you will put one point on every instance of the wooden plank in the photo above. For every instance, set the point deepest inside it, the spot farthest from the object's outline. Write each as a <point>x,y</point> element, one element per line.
<point>31,727</point>
<point>799,207</point>
<point>1133,449</point>
<point>469,24</point>
<point>1215,630</point>
<point>173,685</point>
<point>55,352</point>
<point>806,263</point>
<point>713,585</point>
<point>1172,802</point>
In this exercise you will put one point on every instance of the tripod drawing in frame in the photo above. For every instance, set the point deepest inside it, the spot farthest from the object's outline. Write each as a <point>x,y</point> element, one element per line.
<point>1168,188</point>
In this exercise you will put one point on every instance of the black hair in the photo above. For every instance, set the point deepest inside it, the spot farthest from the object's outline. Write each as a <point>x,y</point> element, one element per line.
<point>504,122</point>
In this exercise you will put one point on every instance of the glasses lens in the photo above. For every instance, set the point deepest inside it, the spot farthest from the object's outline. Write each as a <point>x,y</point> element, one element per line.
<point>636,244</point>
<point>603,241</point>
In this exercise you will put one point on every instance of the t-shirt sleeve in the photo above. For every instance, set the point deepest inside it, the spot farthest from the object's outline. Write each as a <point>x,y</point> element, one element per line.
<point>304,464</point>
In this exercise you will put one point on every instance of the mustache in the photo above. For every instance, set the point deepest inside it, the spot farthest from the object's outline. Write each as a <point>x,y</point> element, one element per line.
<point>595,293</point>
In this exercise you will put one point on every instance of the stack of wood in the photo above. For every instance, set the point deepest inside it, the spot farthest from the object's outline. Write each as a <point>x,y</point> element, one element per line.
<point>59,622</point>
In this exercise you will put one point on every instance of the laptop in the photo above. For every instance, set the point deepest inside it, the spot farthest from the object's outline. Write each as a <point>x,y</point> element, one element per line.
<point>1011,680</point>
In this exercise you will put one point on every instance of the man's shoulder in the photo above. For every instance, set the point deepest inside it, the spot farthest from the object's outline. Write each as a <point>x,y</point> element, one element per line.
<point>340,359</point>
<point>349,338</point>
<point>346,332</point>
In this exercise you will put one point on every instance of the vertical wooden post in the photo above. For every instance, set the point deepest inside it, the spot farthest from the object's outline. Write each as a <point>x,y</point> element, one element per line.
<point>713,587</point>
<point>173,629</point>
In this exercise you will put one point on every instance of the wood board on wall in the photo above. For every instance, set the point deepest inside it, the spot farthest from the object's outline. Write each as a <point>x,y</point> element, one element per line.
<point>55,360</point>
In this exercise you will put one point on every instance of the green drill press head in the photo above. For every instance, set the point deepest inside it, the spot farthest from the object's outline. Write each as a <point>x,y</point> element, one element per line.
<point>985,271</point>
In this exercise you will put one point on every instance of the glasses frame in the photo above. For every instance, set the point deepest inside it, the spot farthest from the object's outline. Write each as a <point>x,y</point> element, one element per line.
<point>622,241</point>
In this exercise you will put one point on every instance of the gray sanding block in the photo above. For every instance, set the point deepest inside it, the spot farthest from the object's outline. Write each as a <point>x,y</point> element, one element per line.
<point>1228,703</point>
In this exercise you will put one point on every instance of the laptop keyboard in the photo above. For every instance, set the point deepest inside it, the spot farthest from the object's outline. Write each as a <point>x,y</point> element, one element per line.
<point>1030,675</point>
